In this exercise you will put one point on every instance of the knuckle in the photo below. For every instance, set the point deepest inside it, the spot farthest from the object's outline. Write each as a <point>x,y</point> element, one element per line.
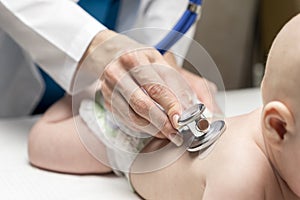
<point>109,74</point>
<point>155,90</point>
<point>160,135</point>
<point>140,105</point>
<point>128,59</point>
<point>173,108</point>
<point>155,54</point>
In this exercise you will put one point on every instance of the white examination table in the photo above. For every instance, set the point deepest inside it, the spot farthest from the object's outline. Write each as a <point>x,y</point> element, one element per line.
<point>19,180</point>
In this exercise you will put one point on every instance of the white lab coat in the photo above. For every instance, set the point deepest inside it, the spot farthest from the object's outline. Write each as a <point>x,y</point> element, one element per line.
<point>55,34</point>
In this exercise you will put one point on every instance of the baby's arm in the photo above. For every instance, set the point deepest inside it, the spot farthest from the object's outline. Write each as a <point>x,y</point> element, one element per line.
<point>55,145</point>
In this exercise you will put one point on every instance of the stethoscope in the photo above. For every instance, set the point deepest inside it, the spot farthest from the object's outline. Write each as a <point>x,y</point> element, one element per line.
<point>205,133</point>
<point>192,120</point>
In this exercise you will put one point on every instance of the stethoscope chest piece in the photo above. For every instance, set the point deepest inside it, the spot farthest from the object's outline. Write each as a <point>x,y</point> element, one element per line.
<point>204,133</point>
<point>206,140</point>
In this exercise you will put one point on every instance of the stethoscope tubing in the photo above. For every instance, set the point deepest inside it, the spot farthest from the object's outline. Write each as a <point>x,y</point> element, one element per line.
<point>181,27</point>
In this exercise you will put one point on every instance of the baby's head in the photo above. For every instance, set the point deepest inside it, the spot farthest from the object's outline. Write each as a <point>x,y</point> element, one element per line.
<point>281,99</point>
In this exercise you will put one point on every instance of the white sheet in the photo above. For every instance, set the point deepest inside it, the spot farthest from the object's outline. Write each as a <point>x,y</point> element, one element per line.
<point>19,180</point>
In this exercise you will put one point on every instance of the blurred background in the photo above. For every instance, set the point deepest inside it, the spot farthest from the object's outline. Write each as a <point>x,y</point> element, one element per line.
<point>238,35</point>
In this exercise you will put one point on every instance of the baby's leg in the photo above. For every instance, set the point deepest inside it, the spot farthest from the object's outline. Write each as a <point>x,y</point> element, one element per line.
<point>55,145</point>
<point>181,180</point>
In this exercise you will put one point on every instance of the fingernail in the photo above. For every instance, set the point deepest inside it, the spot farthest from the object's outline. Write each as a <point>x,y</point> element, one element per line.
<point>176,138</point>
<point>175,120</point>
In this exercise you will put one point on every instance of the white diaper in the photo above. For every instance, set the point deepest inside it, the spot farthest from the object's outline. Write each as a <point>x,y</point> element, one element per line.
<point>121,148</point>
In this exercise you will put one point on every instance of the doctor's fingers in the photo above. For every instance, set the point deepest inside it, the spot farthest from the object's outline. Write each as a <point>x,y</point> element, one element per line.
<point>177,83</point>
<point>142,56</point>
<point>125,64</point>
<point>143,72</point>
<point>142,105</point>
<point>207,95</point>
<point>136,123</point>
<point>116,104</point>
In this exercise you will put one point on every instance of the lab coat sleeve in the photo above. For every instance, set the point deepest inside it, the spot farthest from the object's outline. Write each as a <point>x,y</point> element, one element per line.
<point>55,33</point>
<point>163,15</point>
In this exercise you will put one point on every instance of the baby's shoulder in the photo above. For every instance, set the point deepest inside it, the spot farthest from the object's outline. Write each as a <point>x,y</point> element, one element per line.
<point>239,171</point>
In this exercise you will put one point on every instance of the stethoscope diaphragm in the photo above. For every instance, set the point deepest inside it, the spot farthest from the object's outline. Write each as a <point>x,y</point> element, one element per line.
<point>205,134</point>
<point>215,130</point>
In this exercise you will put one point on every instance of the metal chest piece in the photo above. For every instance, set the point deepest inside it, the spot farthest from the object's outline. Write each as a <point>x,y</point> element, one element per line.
<point>205,133</point>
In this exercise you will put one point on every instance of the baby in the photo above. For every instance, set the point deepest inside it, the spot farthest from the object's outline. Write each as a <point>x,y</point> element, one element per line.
<point>257,157</point>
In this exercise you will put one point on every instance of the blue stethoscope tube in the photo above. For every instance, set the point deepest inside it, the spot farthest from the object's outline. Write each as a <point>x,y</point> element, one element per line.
<point>182,26</point>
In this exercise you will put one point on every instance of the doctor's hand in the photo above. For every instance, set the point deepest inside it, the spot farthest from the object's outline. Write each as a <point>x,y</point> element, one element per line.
<point>204,89</point>
<point>139,87</point>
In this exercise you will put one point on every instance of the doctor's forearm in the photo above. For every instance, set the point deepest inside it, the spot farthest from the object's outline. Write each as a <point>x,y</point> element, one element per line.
<point>55,33</point>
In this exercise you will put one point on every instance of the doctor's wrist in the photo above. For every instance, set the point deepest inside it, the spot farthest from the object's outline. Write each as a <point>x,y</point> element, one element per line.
<point>101,37</point>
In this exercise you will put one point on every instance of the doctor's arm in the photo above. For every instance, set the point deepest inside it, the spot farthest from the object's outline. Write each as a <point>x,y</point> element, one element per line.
<point>59,35</point>
<point>55,33</point>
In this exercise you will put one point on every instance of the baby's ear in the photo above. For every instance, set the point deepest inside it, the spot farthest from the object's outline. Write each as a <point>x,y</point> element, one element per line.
<point>277,122</point>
